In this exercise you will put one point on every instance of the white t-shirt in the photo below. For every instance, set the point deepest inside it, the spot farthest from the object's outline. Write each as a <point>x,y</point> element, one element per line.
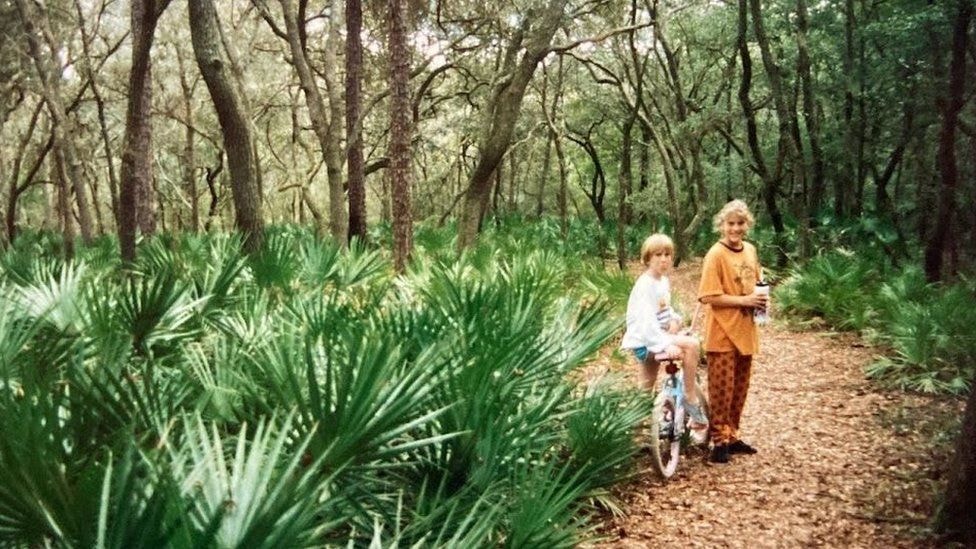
<point>648,314</point>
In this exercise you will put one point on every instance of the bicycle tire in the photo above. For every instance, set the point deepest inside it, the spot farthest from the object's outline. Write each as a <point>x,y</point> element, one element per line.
<point>665,443</point>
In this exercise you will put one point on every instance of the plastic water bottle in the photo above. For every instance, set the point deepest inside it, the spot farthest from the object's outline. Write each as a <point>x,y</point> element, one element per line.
<point>761,314</point>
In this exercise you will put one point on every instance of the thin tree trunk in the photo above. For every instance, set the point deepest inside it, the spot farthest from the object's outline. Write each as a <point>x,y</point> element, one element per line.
<point>598,181</point>
<point>503,110</point>
<point>882,200</point>
<point>550,137</point>
<point>69,171</point>
<point>770,180</point>
<point>338,223</point>
<point>862,121</point>
<point>626,183</point>
<point>644,159</point>
<point>354,134</point>
<point>552,143</point>
<point>512,181</point>
<point>845,180</point>
<point>956,517</point>
<point>939,243</point>
<point>16,188</point>
<point>323,116</point>
<point>136,209</point>
<point>234,123</point>
<point>63,203</point>
<point>815,197</point>
<point>188,161</point>
<point>401,132</point>
<point>113,179</point>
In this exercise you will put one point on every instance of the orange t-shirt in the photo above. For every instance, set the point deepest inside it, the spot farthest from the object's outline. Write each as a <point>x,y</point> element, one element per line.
<point>730,272</point>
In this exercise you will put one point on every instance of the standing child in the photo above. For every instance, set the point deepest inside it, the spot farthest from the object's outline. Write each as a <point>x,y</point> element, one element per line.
<point>729,275</point>
<point>652,327</point>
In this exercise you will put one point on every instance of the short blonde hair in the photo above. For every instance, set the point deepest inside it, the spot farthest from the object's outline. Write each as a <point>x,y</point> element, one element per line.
<point>735,207</point>
<point>653,244</point>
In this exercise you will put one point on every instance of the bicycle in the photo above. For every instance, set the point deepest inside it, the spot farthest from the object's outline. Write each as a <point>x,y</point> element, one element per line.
<point>669,423</point>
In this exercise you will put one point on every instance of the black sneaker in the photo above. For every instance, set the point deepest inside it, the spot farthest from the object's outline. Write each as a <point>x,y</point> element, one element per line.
<point>720,454</point>
<point>739,447</point>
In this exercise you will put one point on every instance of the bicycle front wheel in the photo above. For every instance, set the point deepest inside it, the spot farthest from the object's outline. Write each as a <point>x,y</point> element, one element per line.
<point>666,419</point>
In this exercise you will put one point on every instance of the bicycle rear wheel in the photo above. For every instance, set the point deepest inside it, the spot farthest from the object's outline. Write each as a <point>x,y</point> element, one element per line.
<point>667,421</point>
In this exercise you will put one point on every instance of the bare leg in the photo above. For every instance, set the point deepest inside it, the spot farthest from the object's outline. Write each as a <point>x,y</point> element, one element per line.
<point>647,373</point>
<point>689,366</point>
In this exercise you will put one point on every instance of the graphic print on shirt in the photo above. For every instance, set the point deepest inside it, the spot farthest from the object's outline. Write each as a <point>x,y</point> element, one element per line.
<point>744,273</point>
<point>663,313</point>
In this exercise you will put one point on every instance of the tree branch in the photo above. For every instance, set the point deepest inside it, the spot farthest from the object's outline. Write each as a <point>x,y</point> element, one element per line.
<point>599,37</point>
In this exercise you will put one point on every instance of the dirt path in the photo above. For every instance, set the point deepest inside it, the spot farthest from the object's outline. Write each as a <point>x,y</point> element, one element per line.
<point>840,463</point>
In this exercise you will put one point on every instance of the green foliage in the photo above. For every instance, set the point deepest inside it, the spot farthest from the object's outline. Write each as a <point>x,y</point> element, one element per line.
<point>832,287</point>
<point>927,328</point>
<point>304,395</point>
<point>930,331</point>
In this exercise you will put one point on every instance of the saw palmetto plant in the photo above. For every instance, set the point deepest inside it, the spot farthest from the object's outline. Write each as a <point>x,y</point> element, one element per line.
<point>302,395</point>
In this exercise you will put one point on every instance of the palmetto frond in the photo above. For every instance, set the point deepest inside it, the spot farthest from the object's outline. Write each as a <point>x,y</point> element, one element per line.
<point>252,487</point>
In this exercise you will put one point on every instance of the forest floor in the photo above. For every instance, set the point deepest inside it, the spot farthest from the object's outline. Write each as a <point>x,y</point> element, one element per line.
<point>841,462</point>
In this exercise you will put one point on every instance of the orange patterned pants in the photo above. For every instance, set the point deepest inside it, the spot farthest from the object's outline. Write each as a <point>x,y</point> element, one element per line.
<point>728,384</point>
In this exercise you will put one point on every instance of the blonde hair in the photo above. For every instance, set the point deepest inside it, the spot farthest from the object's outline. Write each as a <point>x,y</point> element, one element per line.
<point>735,207</point>
<point>653,244</point>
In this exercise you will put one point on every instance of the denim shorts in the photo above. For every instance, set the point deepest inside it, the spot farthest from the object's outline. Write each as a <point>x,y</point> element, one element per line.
<point>640,353</point>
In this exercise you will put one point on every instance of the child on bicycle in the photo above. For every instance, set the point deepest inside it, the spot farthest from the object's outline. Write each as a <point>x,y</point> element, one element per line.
<point>653,326</point>
<point>729,274</point>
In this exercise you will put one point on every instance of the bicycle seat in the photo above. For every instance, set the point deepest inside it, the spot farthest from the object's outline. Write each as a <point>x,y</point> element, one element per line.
<point>670,364</point>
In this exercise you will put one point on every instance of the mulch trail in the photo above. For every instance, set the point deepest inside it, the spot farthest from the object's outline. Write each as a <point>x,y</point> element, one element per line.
<point>841,463</point>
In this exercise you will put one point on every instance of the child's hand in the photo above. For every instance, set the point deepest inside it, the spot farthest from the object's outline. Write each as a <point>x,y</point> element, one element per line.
<point>673,351</point>
<point>754,300</point>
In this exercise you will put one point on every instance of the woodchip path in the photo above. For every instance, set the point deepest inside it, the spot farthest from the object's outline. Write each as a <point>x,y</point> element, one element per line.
<point>841,463</point>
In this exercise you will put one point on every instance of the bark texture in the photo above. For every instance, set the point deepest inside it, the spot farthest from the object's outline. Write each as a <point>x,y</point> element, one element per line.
<point>234,124</point>
<point>400,133</point>
<point>502,112</point>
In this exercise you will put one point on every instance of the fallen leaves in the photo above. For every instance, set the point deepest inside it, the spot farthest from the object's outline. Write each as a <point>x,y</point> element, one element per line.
<point>840,462</point>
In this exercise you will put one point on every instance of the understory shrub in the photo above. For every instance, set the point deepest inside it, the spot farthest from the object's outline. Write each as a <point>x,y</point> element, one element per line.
<point>303,395</point>
<point>925,329</point>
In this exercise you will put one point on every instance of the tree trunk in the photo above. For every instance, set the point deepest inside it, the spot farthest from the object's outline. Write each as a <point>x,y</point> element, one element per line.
<point>955,518</point>
<point>503,109</point>
<point>552,137</point>
<point>315,102</point>
<point>770,180</point>
<point>400,133</point>
<point>694,177</point>
<point>939,242</point>
<point>845,180</point>
<point>563,194</point>
<point>354,134</point>
<point>626,184</point>
<point>644,157</point>
<point>136,210</point>
<point>63,203</point>
<point>815,195</point>
<point>338,224</point>
<point>69,171</point>
<point>16,188</point>
<point>540,199</point>
<point>113,180</point>
<point>598,181</point>
<point>233,120</point>
<point>188,161</point>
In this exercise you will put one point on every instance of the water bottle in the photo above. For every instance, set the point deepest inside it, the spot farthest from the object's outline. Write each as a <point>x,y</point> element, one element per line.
<point>761,314</point>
